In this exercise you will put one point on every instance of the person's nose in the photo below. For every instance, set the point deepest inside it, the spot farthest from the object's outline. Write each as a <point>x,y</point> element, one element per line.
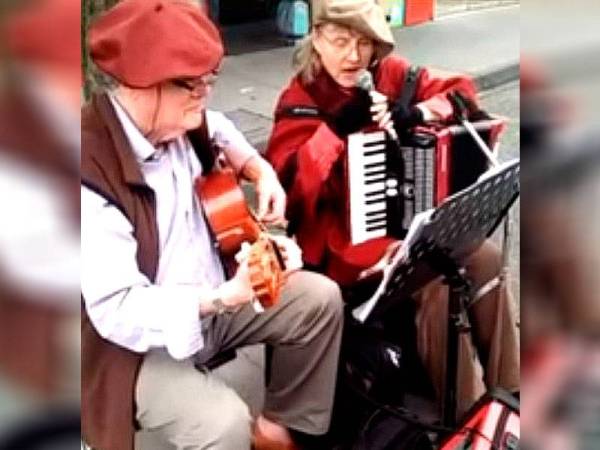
<point>354,54</point>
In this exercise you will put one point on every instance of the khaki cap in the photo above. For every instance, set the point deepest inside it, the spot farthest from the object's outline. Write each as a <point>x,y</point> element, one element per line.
<point>365,16</point>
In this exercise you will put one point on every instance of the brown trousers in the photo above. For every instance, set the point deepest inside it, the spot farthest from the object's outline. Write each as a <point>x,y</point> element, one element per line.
<point>489,355</point>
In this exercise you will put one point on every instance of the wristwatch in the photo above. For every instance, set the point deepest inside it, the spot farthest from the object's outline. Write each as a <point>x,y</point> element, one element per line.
<point>219,306</point>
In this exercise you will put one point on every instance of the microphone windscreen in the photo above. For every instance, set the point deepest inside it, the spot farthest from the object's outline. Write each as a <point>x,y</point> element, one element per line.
<point>365,81</point>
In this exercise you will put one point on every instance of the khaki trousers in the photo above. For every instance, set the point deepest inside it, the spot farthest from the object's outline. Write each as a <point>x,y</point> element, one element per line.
<point>489,355</point>
<point>180,407</point>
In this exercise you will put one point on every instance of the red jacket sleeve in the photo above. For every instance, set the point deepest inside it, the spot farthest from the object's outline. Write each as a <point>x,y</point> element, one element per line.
<point>432,85</point>
<point>303,151</point>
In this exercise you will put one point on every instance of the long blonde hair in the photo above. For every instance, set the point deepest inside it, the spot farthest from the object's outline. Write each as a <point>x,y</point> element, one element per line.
<point>305,60</point>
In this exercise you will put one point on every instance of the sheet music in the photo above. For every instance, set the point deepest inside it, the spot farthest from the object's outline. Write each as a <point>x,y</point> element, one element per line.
<point>362,312</point>
<point>414,232</point>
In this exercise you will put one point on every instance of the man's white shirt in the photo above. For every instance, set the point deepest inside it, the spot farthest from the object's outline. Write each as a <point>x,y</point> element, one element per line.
<point>125,306</point>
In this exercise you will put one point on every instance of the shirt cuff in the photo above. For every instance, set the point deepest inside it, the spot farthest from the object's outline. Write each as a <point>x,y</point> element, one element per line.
<point>182,326</point>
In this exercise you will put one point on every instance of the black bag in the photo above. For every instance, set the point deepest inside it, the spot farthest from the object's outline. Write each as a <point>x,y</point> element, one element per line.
<point>371,367</point>
<point>385,430</point>
<point>371,388</point>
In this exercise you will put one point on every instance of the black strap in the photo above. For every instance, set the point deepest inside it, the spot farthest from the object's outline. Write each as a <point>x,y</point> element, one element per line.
<point>205,149</point>
<point>407,93</point>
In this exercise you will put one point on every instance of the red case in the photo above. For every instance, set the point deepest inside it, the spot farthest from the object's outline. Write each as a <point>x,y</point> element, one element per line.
<point>492,424</point>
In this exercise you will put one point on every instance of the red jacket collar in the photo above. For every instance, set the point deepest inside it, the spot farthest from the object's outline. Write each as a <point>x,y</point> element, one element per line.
<point>324,93</point>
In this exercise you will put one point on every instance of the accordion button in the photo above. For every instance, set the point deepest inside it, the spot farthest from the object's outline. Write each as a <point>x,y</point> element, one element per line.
<point>391,192</point>
<point>391,183</point>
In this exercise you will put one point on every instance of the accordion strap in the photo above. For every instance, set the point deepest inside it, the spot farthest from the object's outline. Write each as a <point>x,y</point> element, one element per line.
<point>407,93</point>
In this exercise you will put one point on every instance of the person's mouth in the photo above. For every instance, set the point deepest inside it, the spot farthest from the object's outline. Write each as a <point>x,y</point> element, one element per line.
<point>352,72</point>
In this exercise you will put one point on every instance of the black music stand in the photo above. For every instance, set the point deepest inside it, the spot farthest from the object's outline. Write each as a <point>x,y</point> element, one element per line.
<point>436,245</point>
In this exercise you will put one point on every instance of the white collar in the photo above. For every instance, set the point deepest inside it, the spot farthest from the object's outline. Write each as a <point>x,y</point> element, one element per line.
<point>142,148</point>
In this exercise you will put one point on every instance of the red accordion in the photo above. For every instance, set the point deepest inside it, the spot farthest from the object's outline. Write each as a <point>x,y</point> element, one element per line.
<point>386,190</point>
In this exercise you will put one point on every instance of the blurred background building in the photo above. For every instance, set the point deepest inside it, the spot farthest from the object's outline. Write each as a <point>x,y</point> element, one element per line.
<point>255,25</point>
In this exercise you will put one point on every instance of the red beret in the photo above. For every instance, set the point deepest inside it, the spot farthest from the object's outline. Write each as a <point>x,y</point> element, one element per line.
<point>144,42</point>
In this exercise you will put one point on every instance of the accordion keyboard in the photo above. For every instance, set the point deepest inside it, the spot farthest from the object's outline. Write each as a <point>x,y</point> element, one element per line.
<point>388,185</point>
<point>371,186</point>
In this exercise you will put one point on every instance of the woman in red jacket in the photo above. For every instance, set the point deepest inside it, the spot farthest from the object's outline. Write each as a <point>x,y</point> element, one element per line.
<point>314,115</point>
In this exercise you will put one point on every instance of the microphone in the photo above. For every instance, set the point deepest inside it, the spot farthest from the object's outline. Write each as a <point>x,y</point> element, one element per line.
<point>364,82</point>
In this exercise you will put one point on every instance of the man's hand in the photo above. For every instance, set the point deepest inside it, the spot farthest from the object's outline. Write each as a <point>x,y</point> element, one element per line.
<point>271,196</point>
<point>291,253</point>
<point>271,199</point>
<point>237,291</point>
<point>233,294</point>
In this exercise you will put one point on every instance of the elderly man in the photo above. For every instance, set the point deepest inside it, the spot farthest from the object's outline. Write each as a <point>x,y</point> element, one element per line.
<point>156,300</point>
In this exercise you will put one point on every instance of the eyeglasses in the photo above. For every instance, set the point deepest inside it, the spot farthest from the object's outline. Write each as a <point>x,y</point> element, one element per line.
<point>199,84</point>
<point>344,42</point>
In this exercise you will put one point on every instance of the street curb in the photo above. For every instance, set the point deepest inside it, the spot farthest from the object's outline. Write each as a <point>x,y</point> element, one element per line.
<point>497,76</point>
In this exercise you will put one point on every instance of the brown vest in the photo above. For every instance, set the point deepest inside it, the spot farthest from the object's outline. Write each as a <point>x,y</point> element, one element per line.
<point>109,372</point>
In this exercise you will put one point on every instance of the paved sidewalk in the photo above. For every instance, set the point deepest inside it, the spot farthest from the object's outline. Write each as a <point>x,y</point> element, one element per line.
<point>484,44</point>
<point>447,7</point>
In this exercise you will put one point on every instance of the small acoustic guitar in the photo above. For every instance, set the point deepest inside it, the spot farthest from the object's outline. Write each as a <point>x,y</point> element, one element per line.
<point>233,223</point>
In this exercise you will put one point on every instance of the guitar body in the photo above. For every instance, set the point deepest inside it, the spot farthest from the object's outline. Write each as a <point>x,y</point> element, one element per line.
<point>233,224</point>
<point>226,210</point>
